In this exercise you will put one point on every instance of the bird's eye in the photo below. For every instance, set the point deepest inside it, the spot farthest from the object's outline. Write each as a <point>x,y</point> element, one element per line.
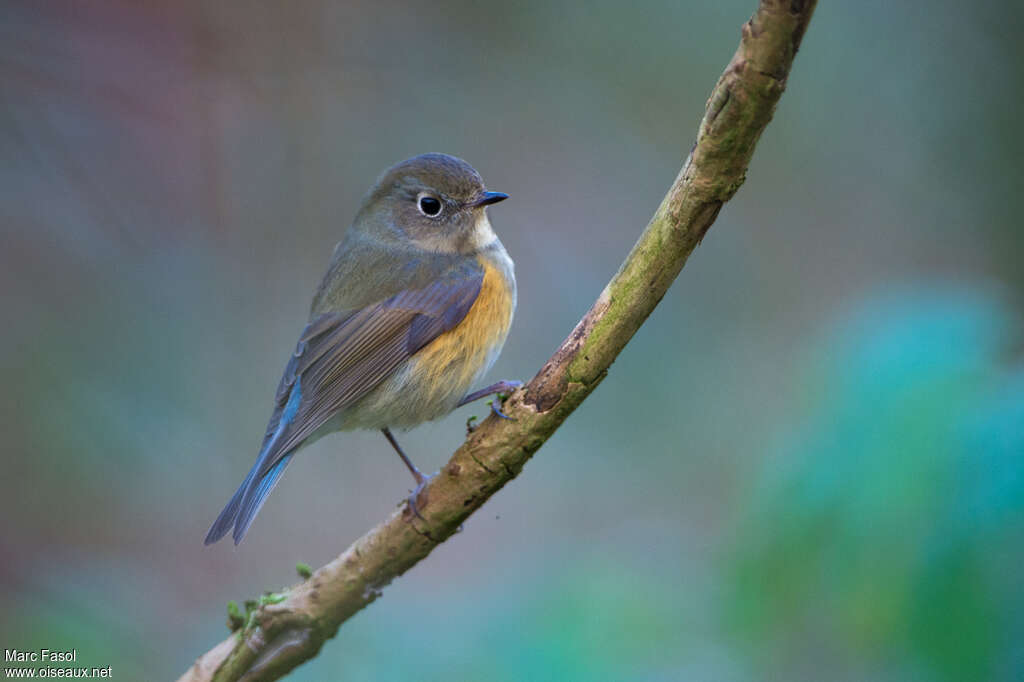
<point>429,206</point>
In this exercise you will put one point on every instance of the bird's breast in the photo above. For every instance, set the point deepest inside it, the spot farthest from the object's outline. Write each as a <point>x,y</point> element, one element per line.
<point>456,359</point>
<point>432,382</point>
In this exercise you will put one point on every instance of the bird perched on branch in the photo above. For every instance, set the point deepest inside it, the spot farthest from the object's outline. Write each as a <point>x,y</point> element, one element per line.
<point>413,311</point>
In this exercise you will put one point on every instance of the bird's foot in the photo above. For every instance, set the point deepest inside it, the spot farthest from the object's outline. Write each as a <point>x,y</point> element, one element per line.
<point>501,390</point>
<point>501,397</point>
<point>414,496</point>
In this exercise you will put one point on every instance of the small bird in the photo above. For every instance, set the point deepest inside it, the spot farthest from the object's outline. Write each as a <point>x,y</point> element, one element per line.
<point>413,311</point>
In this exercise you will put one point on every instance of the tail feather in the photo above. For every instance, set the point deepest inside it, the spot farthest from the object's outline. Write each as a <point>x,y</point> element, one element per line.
<point>253,500</point>
<point>226,520</point>
<point>243,506</point>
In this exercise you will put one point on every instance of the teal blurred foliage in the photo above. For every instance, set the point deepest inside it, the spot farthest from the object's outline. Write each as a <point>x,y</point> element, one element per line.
<point>806,465</point>
<point>885,538</point>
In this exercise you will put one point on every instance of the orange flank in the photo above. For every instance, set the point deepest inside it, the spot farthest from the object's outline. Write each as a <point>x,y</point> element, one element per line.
<point>465,349</point>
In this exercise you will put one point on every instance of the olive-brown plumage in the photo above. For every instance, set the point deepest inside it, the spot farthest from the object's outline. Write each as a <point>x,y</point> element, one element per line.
<point>414,309</point>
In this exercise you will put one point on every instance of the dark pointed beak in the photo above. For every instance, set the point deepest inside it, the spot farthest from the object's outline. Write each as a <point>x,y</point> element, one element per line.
<point>488,198</point>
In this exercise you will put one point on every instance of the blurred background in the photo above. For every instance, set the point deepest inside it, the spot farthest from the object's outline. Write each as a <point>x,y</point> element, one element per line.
<point>808,464</point>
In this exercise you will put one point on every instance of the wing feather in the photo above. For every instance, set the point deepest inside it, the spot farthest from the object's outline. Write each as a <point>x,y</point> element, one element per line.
<point>342,356</point>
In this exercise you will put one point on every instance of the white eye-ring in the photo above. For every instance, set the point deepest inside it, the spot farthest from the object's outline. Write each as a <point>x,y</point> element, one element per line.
<point>429,205</point>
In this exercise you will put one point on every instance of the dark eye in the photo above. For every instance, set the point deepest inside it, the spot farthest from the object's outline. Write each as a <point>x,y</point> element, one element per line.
<point>429,206</point>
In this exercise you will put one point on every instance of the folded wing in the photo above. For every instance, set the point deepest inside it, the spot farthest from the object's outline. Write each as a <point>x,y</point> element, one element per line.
<point>340,357</point>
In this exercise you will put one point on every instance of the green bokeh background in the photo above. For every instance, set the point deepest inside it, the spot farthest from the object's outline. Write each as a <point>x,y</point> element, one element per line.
<point>808,464</point>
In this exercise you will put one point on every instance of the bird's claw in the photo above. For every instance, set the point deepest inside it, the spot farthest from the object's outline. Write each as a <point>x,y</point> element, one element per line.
<point>497,410</point>
<point>502,396</point>
<point>415,494</point>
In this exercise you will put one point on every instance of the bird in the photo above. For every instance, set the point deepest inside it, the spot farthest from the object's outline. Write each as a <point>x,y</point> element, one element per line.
<point>415,307</point>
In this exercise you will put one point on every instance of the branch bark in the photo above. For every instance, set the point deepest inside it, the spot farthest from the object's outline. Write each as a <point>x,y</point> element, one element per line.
<point>279,636</point>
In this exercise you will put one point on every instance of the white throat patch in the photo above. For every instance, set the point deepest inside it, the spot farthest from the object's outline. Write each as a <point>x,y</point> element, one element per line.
<point>483,234</point>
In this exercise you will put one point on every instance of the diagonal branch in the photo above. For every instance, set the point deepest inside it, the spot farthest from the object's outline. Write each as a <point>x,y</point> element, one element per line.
<point>279,636</point>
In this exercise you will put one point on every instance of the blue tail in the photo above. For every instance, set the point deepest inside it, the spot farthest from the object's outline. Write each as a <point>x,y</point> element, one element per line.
<point>243,506</point>
<point>253,501</point>
<point>226,520</point>
<point>240,516</point>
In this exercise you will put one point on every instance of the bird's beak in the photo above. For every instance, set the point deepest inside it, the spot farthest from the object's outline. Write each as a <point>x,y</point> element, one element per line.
<point>488,198</point>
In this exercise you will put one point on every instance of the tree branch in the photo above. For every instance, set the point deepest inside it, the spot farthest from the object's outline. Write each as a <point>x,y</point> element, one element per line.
<point>279,636</point>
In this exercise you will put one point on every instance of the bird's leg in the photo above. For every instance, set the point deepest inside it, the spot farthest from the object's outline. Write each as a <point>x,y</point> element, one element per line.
<point>500,387</point>
<point>421,478</point>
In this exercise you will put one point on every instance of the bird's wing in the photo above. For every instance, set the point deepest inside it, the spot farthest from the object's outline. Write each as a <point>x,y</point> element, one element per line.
<point>339,358</point>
